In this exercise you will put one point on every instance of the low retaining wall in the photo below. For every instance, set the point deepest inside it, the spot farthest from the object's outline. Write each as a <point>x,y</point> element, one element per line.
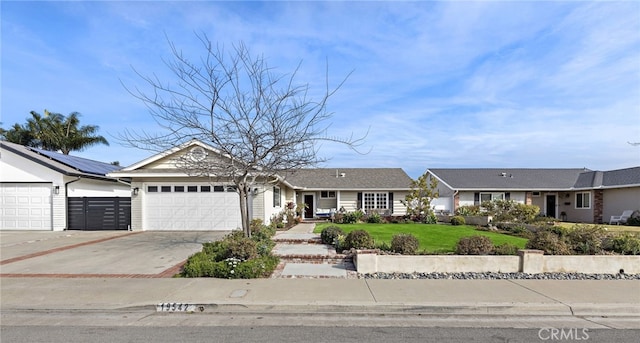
<point>527,261</point>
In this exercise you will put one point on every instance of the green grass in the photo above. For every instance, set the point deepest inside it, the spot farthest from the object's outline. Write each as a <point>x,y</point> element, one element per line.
<point>433,238</point>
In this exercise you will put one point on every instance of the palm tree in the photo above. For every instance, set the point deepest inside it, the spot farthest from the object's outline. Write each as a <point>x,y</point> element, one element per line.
<point>55,132</point>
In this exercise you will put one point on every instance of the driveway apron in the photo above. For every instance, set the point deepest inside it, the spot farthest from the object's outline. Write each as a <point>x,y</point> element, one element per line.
<point>101,254</point>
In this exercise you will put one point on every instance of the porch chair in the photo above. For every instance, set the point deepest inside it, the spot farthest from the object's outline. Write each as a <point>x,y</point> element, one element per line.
<point>621,218</point>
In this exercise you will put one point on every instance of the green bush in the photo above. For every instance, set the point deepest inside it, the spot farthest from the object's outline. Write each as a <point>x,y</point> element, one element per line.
<point>506,249</point>
<point>474,245</point>
<point>549,242</point>
<point>240,247</point>
<point>585,240</point>
<point>457,220</point>
<point>358,239</point>
<point>510,210</point>
<point>374,218</point>
<point>350,217</point>
<point>634,220</point>
<point>231,268</point>
<point>625,244</point>
<point>468,210</point>
<point>404,243</point>
<point>330,233</point>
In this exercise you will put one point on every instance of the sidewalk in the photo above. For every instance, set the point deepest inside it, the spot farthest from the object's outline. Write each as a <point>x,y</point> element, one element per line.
<point>474,297</point>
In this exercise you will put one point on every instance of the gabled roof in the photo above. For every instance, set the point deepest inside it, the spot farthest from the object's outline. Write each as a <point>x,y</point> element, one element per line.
<point>349,179</point>
<point>628,177</point>
<point>508,178</point>
<point>161,155</point>
<point>64,164</point>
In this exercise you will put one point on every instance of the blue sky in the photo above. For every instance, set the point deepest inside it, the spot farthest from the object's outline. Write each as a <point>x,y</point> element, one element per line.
<point>436,84</point>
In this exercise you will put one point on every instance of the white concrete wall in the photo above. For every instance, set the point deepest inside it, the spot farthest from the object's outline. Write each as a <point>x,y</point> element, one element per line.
<point>371,263</point>
<point>530,262</point>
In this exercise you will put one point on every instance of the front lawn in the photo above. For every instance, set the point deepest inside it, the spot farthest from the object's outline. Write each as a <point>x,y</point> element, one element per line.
<point>433,238</point>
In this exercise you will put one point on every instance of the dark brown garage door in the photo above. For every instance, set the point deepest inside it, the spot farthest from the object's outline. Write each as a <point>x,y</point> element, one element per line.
<point>99,213</point>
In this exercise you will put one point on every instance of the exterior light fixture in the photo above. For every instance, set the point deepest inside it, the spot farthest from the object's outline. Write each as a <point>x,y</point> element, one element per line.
<point>136,191</point>
<point>56,190</point>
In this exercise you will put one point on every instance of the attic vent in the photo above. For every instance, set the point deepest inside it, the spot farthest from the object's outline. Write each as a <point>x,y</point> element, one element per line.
<point>198,154</point>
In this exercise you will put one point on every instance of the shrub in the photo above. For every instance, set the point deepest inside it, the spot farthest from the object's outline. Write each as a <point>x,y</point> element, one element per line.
<point>231,268</point>
<point>468,210</point>
<point>358,239</point>
<point>374,218</point>
<point>351,217</point>
<point>457,220</point>
<point>549,242</point>
<point>634,220</point>
<point>330,233</point>
<point>406,244</point>
<point>261,232</point>
<point>384,246</point>
<point>585,240</point>
<point>506,249</point>
<point>625,244</point>
<point>241,247</point>
<point>510,210</point>
<point>474,245</point>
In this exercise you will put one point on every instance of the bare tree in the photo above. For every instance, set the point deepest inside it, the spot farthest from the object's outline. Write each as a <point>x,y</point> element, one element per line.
<point>264,125</point>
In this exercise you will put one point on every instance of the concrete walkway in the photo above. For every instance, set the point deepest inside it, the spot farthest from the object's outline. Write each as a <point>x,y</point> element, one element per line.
<point>302,255</point>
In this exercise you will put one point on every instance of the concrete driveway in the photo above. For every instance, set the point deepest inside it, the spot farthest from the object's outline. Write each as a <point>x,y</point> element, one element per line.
<point>70,254</point>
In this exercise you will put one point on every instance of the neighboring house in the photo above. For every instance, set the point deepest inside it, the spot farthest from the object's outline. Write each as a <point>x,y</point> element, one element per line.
<point>327,190</point>
<point>44,190</point>
<point>576,195</point>
<point>166,197</point>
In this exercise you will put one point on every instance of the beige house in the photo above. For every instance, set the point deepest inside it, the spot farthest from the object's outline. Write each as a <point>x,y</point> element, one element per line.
<point>575,195</point>
<point>166,197</point>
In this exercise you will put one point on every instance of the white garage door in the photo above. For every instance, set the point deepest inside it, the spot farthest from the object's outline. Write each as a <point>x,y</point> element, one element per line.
<point>190,207</point>
<point>25,206</point>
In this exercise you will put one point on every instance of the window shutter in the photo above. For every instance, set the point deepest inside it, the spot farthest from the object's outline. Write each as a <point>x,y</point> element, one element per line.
<point>359,204</point>
<point>507,196</point>
<point>391,202</point>
<point>476,199</point>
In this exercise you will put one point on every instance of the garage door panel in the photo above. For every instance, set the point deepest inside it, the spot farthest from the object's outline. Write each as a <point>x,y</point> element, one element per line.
<point>25,206</point>
<point>191,211</point>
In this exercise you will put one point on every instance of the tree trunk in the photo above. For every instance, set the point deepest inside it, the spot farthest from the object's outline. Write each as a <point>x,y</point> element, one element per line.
<point>244,210</point>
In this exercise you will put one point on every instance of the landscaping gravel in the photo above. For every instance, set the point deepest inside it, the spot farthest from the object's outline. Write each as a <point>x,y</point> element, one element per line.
<point>500,276</point>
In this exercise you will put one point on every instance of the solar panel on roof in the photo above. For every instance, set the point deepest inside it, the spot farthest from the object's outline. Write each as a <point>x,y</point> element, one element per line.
<point>82,164</point>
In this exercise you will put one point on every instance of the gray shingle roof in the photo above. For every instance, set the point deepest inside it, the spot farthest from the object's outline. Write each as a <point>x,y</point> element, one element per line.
<point>509,178</point>
<point>65,164</point>
<point>611,178</point>
<point>350,178</point>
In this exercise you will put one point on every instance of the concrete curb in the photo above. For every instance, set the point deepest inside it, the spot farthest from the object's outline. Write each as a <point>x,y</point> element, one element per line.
<point>528,309</point>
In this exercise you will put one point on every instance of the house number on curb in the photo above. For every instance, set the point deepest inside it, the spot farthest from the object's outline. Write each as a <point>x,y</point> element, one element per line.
<point>178,307</point>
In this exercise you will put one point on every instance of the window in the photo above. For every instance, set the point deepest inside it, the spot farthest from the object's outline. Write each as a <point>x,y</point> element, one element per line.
<point>152,189</point>
<point>328,194</point>
<point>178,189</point>
<point>218,188</point>
<point>205,189</point>
<point>165,189</point>
<point>491,196</point>
<point>276,196</point>
<point>375,201</point>
<point>192,189</point>
<point>583,200</point>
